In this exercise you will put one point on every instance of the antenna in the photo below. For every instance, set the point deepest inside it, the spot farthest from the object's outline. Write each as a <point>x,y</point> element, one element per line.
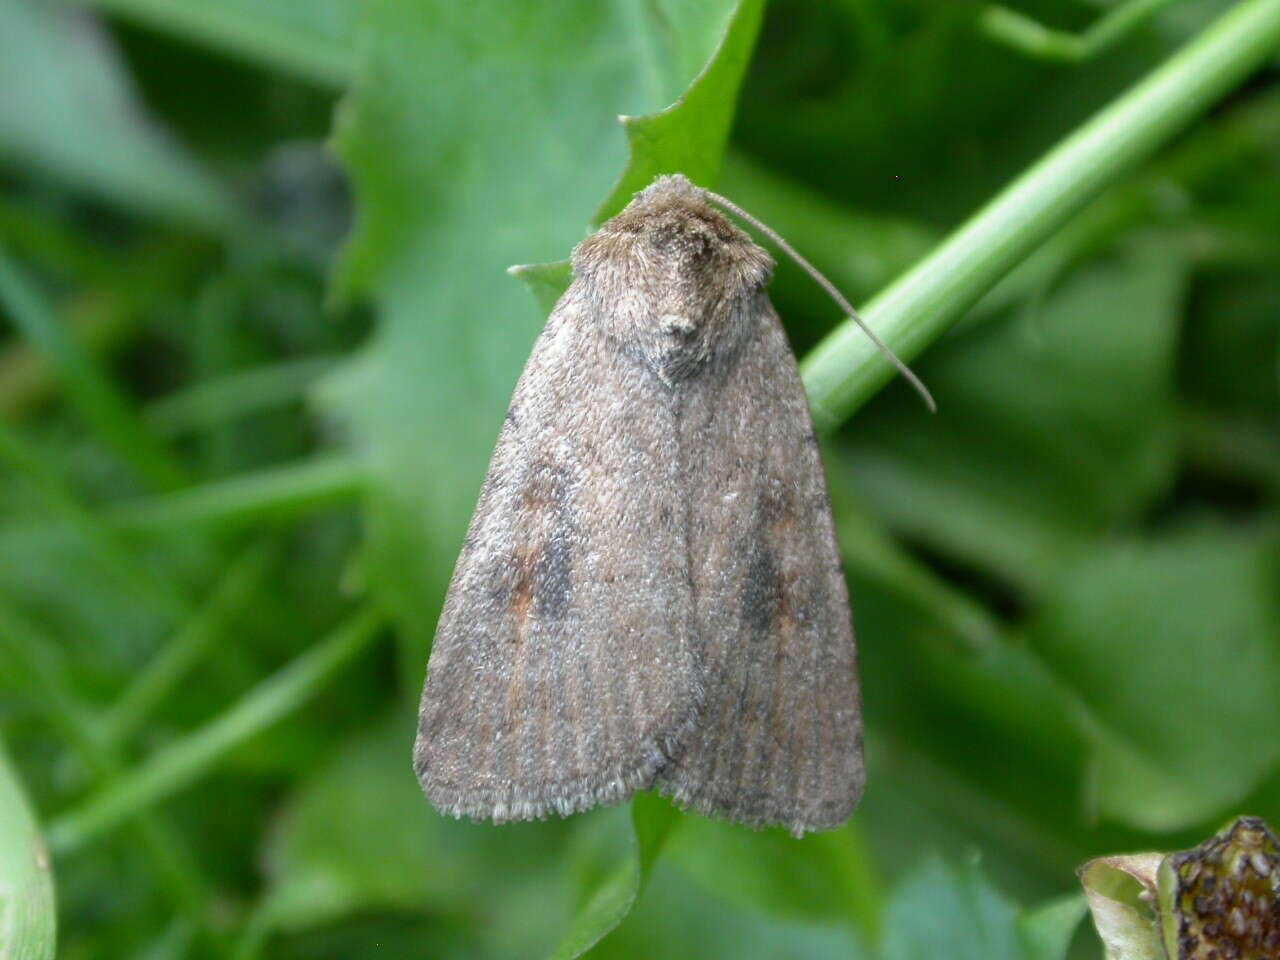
<point>830,287</point>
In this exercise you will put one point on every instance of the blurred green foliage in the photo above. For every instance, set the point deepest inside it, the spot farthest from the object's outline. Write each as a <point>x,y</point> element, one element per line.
<point>249,383</point>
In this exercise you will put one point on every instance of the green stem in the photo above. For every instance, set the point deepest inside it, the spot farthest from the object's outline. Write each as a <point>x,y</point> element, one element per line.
<point>182,762</point>
<point>1035,39</point>
<point>90,387</point>
<point>845,369</point>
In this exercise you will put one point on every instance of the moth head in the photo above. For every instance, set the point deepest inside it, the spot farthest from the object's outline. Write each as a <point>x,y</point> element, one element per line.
<point>672,274</point>
<point>673,229</point>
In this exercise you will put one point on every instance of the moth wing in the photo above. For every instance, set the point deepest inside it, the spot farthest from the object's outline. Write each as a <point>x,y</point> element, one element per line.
<point>780,736</point>
<point>563,674</point>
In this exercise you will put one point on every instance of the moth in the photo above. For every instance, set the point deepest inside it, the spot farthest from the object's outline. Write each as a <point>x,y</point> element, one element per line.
<point>650,592</point>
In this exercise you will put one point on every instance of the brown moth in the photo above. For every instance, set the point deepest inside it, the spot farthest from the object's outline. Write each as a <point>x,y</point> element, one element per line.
<point>650,592</point>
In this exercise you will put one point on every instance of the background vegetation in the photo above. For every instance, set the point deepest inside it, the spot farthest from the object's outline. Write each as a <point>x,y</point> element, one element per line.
<point>257,341</point>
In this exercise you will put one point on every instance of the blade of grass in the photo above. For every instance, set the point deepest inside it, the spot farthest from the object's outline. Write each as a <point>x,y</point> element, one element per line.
<point>184,761</point>
<point>234,395</point>
<point>30,656</point>
<point>215,312</point>
<point>42,669</point>
<point>845,369</point>
<point>92,390</point>
<point>308,55</point>
<point>28,924</point>
<point>103,312</point>
<point>63,502</point>
<point>272,494</point>
<point>165,671</point>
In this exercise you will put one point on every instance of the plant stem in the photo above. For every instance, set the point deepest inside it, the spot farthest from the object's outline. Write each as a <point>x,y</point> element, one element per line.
<point>845,369</point>
<point>1035,39</point>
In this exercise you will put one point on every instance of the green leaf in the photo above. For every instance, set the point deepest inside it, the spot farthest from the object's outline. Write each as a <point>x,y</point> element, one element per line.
<point>1046,931</point>
<point>824,878</point>
<point>689,136</point>
<point>28,917</point>
<point>860,250</point>
<point>222,399</point>
<point>327,857</point>
<point>1053,427</point>
<point>942,911</point>
<point>870,552</point>
<point>546,281</point>
<point>473,143</point>
<point>239,586</point>
<point>358,837</point>
<point>614,868</point>
<point>678,917</point>
<point>62,87</point>
<point>1037,40</point>
<point>1172,645</point>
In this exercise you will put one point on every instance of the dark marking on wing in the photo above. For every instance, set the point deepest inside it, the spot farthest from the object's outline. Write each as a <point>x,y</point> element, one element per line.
<point>553,580</point>
<point>766,587</point>
<point>537,580</point>
<point>761,589</point>
<point>776,506</point>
